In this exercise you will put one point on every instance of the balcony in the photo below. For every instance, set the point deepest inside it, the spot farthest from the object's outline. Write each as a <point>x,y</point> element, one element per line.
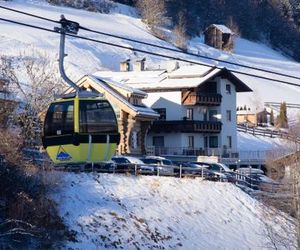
<point>186,126</point>
<point>201,99</point>
<point>187,151</point>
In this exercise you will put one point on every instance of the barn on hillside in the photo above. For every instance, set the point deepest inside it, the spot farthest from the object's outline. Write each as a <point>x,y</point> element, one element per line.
<point>219,36</point>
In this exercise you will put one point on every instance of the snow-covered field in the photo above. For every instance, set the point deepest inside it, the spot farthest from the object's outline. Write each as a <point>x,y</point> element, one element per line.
<point>86,57</point>
<point>249,142</point>
<point>115,211</point>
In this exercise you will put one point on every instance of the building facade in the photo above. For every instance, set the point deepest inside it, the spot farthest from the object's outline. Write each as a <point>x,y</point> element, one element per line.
<point>196,107</point>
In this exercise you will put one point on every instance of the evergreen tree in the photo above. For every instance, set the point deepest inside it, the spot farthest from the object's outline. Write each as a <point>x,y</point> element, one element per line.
<point>282,117</point>
<point>272,118</point>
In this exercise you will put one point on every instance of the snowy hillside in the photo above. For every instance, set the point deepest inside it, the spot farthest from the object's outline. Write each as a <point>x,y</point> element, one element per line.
<point>114,211</point>
<point>86,57</point>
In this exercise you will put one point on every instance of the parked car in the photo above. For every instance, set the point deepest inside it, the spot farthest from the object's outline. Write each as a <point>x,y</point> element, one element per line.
<point>128,163</point>
<point>162,165</point>
<point>219,171</point>
<point>249,171</point>
<point>191,168</point>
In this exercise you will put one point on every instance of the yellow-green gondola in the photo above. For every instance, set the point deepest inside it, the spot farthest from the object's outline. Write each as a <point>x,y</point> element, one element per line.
<point>80,130</point>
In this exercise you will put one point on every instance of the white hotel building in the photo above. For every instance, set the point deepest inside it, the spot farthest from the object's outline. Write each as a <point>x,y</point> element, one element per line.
<point>197,107</point>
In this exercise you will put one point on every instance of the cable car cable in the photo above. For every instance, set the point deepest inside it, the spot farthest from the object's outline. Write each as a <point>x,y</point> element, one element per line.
<point>28,14</point>
<point>158,46</point>
<point>152,53</point>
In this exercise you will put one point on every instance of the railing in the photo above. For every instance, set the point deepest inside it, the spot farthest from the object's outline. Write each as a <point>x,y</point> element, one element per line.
<point>241,156</point>
<point>203,99</point>
<point>188,151</point>
<point>266,132</point>
<point>186,126</point>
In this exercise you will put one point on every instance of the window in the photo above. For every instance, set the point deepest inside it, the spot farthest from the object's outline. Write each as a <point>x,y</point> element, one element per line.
<point>60,119</point>
<point>212,115</point>
<point>151,161</point>
<point>162,113</point>
<point>120,160</point>
<point>228,89</point>
<point>191,141</point>
<point>228,115</point>
<point>190,114</point>
<point>206,142</point>
<point>213,141</point>
<point>167,162</point>
<point>214,167</point>
<point>158,141</point>
<point>229,141</point>
<point>208,87</point>
<point>97,117</point>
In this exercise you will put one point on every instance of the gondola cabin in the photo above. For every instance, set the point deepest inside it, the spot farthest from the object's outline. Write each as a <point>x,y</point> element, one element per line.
<point>80,129</point>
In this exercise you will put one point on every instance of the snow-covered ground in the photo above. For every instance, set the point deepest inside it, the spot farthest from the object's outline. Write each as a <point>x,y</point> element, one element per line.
<point>115,211</point>
<point>86,57</point>
<point>249,142</point>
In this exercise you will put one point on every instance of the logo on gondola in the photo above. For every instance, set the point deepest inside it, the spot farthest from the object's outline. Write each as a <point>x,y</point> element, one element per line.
<point>62,155</point>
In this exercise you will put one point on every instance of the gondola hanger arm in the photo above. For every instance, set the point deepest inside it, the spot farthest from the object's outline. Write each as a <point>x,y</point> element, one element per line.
<point>67,27</point>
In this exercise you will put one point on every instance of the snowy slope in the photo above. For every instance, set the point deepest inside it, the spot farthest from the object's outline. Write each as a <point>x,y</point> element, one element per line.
<point>115,211</point>
<point>86,57</point>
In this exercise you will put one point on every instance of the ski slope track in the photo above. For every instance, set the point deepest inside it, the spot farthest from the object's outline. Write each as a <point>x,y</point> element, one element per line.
<point>146,212</point>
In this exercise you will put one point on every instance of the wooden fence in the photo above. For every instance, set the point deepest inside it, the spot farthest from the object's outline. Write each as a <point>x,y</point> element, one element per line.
<point>266,132</point>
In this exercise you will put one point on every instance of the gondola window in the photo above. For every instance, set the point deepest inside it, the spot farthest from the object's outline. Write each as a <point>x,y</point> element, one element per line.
<point>60,119</point>
<point>97,117</point>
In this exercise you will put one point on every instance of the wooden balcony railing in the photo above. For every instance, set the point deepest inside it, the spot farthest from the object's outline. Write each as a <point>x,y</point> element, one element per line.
<point>186,126</point>
<point>202,99</point>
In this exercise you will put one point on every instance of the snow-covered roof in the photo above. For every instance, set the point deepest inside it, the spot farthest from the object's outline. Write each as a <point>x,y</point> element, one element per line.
<point>245,112</point>
<point>140,110</point>
<point>127,88</point>
<point>184,77</point>
<point>131,77</point>
<point>224,29</point>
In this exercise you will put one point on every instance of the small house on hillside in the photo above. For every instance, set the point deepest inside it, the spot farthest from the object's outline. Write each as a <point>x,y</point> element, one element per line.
<point>219,36</point>
<point>246,117</point>
<point>253,118</point>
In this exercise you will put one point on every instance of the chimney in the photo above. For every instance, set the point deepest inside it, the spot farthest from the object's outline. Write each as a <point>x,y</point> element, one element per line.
<point>125,66</point>
<point>139,64</point>
<point>172,65</point>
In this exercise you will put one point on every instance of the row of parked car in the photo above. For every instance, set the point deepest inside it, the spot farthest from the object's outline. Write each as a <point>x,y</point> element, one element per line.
<point>156,165</point>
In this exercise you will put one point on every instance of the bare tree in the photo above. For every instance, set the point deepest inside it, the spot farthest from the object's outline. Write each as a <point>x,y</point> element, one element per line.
<point>286,197</point>
<point>154,15</point>
<point>180,32</point>
<point>34,81</point>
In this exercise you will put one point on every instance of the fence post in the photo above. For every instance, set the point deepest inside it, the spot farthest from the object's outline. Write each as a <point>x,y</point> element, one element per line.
<point>202,172</point>
<point>158,170</point>
<point>180,171</point>
<point>135,169</point>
